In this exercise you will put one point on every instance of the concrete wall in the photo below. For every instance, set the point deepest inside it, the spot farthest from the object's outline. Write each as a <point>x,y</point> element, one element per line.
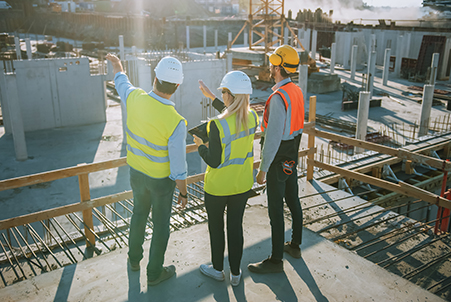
<point>56,93</point>
<point>386,39</point>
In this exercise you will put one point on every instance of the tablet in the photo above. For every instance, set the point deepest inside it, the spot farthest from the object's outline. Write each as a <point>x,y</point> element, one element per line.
<point>200,131</point>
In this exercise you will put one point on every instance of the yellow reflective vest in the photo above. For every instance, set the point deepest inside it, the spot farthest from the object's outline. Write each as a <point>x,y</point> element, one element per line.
<point>150,123</point>
<point>234,174</point>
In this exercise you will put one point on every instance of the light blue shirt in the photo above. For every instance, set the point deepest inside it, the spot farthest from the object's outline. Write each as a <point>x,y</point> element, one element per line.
<point>275,129</point>
<point>176,142</point>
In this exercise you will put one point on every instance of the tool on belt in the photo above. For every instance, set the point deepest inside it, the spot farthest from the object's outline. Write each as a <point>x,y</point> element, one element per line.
<point>288,167</point>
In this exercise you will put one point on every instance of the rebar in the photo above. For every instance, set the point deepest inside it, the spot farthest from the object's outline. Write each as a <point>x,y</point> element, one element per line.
<point>39,248</point>
<point>403,255</point>
<point>91,230</point>
<point>33,232</point>
<point>418,270</point>
<point>73,260</point>
<point>101,217</point>
<point>7,257</point>
<point>68,236</point>
<point>24,254</point>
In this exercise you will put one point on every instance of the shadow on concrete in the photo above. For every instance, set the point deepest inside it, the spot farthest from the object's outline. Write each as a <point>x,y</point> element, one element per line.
<point>65,284</point>
<point>279,284</point>
<point>304,273</point>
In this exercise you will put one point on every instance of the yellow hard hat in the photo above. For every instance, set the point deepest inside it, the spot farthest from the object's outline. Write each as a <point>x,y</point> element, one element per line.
<point>285,56</point>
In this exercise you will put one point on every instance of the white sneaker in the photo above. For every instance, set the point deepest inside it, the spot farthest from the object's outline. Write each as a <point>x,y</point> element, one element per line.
<point>235,280</point>
<point>209,271</point>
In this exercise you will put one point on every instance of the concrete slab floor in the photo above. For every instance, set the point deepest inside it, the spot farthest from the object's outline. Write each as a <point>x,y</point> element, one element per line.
<point>326,272</point>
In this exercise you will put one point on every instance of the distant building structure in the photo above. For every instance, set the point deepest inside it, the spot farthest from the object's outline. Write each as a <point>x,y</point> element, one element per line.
<point>220,7</point>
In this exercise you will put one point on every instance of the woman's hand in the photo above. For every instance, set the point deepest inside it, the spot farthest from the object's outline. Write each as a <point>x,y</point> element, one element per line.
<point>206,91</point>
<point>197,140</point>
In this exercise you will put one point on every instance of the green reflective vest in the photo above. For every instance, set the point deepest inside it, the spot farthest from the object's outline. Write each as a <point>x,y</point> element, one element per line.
<point>234,174</point>
<point>149,126</point>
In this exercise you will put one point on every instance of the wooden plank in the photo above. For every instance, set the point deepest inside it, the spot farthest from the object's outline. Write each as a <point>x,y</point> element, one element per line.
<point>389,161</point>
<point>401,153</point>
<point>311,137</point>
<point>72,208</point>
<point>401,187</point>
<point>85,195</point>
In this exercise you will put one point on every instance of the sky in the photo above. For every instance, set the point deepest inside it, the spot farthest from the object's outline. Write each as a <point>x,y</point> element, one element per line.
<point>347,10</point>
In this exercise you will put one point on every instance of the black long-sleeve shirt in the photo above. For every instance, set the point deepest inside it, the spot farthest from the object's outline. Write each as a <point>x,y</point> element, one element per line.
<point>212,154</point>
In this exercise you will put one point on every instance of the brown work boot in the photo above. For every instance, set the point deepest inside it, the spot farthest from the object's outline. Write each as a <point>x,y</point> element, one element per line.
<point>293,251</point>
<point>168,272</point>
<point>267,266</point>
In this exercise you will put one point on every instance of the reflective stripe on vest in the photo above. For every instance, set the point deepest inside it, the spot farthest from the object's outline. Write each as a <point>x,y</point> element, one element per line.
<point>150,123</point>
<point>294,105</point>
<point>234,174</point>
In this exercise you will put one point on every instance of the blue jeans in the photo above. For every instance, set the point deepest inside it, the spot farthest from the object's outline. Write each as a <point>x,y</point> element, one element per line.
<point>156,194</point>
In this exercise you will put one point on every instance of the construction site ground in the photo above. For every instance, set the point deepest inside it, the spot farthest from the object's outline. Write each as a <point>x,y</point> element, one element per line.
<point>327,272</point>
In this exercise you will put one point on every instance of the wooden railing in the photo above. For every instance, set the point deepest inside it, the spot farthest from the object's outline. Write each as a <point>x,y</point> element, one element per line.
<point>86,203</point>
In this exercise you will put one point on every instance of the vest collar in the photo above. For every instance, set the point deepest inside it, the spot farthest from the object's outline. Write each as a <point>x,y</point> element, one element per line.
<point>160,99</point>
<point>281,83</point>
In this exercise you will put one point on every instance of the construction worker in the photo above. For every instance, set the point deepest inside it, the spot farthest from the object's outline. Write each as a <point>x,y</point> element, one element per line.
<point>282,125</point>
<point>229,176</point>
<point>156,154</point>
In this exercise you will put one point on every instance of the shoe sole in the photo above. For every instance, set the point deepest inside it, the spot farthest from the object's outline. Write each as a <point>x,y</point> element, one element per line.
<point>258,271</point>
<point>212,277</point>
<point>158,280</point>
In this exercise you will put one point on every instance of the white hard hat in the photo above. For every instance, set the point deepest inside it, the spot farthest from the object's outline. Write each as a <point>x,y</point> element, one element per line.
<point>237,82</point>
<point>169,69</point>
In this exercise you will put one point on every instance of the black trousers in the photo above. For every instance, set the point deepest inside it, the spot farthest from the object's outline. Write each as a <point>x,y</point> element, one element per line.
<point>215,206</point>
<point>279,186</point>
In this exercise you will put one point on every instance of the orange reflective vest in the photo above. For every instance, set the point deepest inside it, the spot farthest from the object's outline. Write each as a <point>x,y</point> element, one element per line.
<point>294,104</point>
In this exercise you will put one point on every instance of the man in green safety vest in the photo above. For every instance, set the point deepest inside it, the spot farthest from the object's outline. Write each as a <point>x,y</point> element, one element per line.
<point>156,154</point>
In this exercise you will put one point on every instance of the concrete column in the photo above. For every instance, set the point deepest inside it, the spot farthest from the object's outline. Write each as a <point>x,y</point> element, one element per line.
<point>434,67</point>
<point>285,36</point>
<point>246,38</point>
<point>428,93</point>
<point>346,49</point>
<point>303,79</point>
<point>406,43</point>
<point>275,37</point>
<point>355,48</point>
<point>187,37</point>
<point>205,38</point>
<point>229,39</point>
<point>11,96</point>
<point>333,50</point>
<point>386,66</point>
<point>449,58</point>
<point>362,118</point>
<point>121,47</point>
<point>301,36</point>
<point>229,59</point>
<point>314,42</point>
<point>29,53</point>
<point>216,39</point>
<point>398,56</point>
<point>307,39</point>
<point>18,52</point>
<point>372,72</point>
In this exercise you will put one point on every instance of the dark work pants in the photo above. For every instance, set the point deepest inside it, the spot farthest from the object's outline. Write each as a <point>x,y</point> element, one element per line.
<point>277,188</point>
<point>156,194</point>
<point>215,206</point>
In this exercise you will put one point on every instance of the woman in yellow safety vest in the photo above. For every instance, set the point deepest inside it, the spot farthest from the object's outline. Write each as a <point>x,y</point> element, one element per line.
<point>229,175</point>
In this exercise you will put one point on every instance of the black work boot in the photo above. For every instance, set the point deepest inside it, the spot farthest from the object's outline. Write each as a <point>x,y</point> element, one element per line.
<point>267,266</point>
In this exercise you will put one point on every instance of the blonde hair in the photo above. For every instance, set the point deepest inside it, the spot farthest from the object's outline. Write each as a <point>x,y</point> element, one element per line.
<point>241,107</point>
